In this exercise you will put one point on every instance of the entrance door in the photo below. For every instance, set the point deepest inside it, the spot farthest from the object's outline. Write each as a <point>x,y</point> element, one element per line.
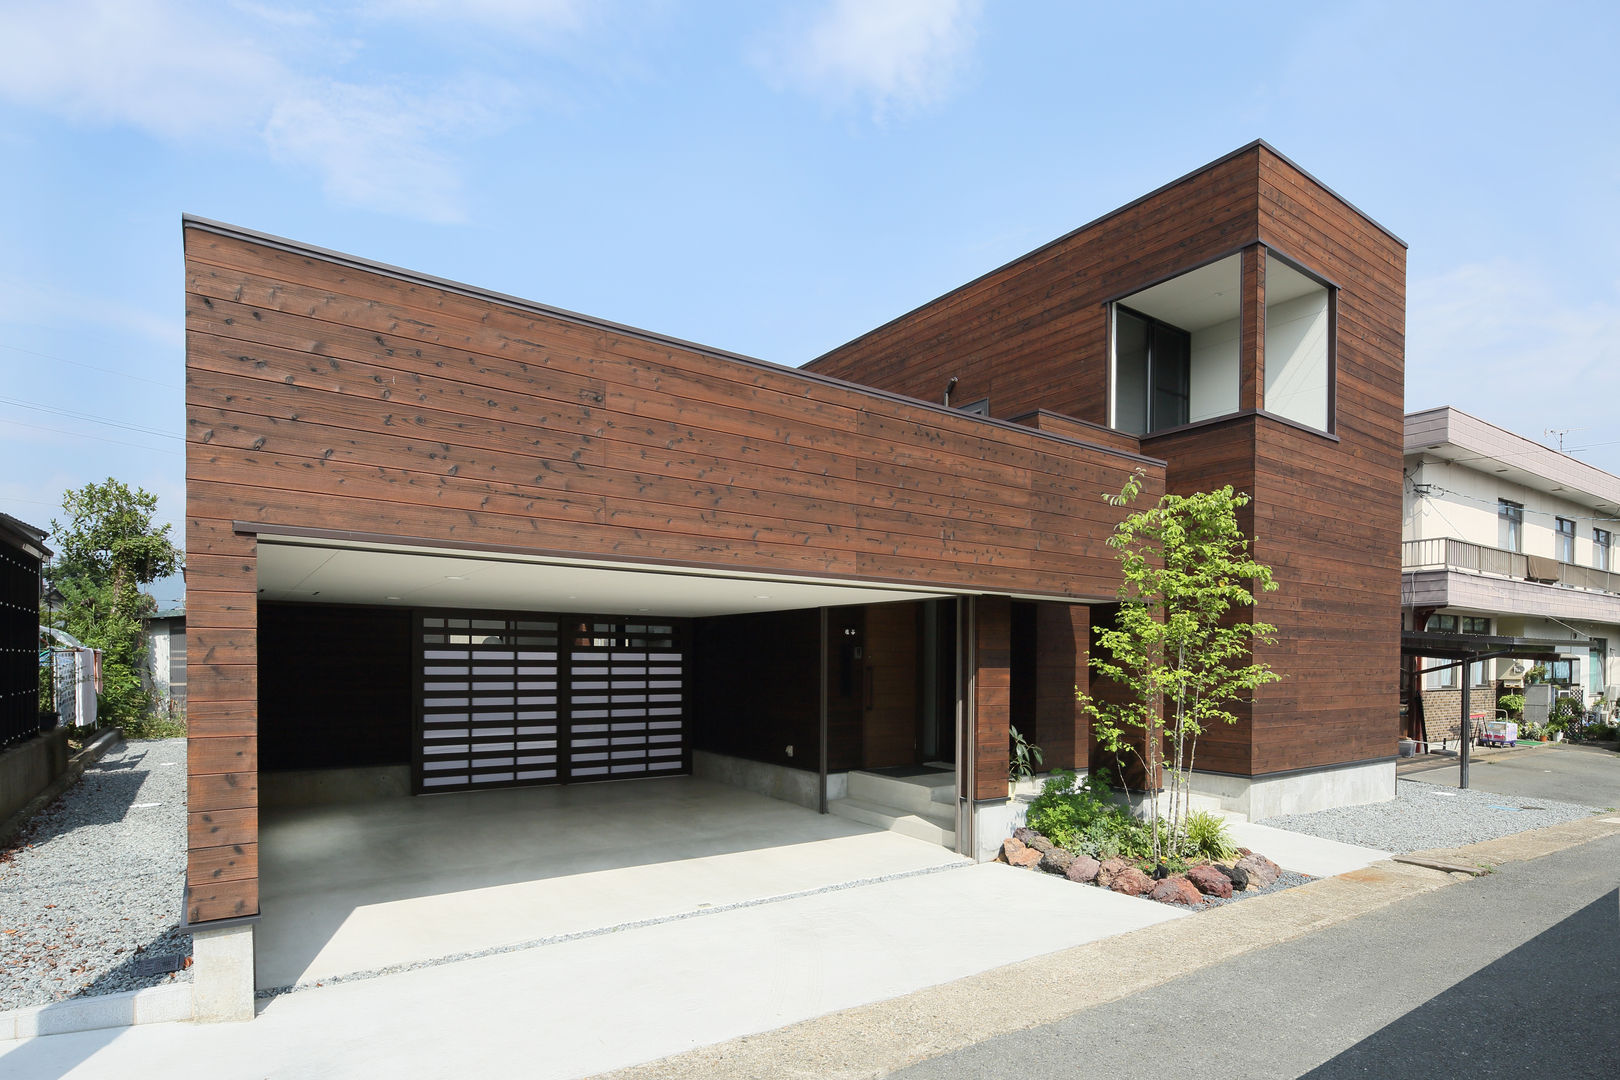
<point>936,714</point>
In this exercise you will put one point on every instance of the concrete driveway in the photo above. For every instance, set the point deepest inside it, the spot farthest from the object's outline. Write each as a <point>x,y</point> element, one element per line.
<point>1579,774</point>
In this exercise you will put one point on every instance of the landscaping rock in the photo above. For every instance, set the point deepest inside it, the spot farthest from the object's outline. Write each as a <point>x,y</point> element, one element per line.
<point>1175,889</point>
<point>1056,861</point>
<point>1109,869</point>
<point>1210,881</point>
<point>1015,853</point>
<point>1238,878</point>
<point>1024,834</point>
<point>1131,882</point>
<point>1261,870</point>
<point>1083,870</point>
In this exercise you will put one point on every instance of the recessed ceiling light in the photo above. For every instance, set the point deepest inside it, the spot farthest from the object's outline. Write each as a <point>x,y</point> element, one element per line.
<point>455,577</point>
<point>391,598</point>
<point>643,609</point>
<point>761,596</point>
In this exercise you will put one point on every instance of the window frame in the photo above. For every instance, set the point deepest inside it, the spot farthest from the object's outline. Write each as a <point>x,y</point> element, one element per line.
<point>1148,381</point>
<point>1510,517</point>
<point>1564,539</point>
<point>1602,549</point>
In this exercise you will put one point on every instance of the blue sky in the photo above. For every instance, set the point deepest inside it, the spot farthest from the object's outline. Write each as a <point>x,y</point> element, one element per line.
<point>773,178</point>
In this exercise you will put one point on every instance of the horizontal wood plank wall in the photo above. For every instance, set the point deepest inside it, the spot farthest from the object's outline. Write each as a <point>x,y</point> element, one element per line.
<point>1328,514</point>
<point>1085,431</point>
<point>889,720</point>
<point>1202,459</point>
<point>222,791</point>
<point>324,396</point>
<point>1034,333</point>
<point>1061,729</point>
<point>992,649</point>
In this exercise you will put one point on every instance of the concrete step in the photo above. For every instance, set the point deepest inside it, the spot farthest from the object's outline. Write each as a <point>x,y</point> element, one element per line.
<point>934,826</point>
<point>918,794</point>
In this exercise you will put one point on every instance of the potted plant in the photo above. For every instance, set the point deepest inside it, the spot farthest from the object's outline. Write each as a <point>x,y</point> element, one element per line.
<point>1022,762</point>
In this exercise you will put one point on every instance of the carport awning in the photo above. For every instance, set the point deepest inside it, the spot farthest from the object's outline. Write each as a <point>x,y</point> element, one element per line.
<point>1440,646</point>
<point>326,571</point>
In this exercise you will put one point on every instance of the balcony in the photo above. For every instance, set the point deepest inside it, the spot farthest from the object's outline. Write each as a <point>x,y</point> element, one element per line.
<point>1448,554</point>
<point>1444,572</point>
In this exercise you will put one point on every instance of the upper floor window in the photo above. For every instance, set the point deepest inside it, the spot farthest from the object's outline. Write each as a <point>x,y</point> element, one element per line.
<point>1176,361</point>
<point>1600,548</point>
<point>976,408</point>
<point>1509,525</point>
<point>1566,540</point>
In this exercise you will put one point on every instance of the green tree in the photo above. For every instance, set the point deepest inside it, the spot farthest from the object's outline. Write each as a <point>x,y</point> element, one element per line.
<point>1182,647</point>
<point>107,549</point>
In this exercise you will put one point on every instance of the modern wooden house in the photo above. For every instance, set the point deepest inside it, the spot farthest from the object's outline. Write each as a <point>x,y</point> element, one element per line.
<point>444,540</point>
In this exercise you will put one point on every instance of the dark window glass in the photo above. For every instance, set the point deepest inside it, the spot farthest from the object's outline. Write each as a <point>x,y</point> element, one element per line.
<point>1130,373</point>
<point>1152,373</point>
<point>1600,548</point>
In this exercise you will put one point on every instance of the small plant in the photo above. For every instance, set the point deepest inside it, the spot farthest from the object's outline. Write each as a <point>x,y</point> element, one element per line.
<point>1512,704</point>
<point>1208,836</point>
<point>1026,757</point>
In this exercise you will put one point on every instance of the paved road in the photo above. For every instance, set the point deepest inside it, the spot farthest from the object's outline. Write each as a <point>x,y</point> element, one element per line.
<point>1514,974</point>
<point>1578,774</point>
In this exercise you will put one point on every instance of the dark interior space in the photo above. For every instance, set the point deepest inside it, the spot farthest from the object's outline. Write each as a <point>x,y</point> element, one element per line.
<point>755,686</point>
<point>334,686</point>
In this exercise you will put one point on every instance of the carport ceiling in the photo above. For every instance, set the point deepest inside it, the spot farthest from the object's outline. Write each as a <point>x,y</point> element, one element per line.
<point>334,572</point>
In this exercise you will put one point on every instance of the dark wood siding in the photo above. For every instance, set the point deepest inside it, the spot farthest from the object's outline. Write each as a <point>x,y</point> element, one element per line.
<point>889,720</point>
<point>992,700</point>
<point>338,687</point>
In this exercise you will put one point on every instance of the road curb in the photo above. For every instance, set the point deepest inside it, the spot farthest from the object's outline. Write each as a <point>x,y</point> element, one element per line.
<point>875,1040</point>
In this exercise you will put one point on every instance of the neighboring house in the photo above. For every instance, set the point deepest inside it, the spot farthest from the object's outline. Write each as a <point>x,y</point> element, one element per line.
<point>163,670</point>
<point>22,551</point>
<point>1503,536</point>
<point>442,540</point>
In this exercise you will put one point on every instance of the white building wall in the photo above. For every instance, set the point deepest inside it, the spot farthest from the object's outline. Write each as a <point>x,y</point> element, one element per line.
<point>1466,509</point>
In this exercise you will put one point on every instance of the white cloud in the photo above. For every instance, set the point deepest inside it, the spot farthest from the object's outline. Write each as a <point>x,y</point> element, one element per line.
<point>897,55</point>
<point>185,71</point>
<point>1502,341</point>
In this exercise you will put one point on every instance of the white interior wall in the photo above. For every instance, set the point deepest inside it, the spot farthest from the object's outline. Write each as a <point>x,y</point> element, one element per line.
<point>1297,359</point>
<point>1214,371</point>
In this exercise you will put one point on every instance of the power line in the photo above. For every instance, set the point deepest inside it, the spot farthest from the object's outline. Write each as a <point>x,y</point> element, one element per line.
<point>98,438</point>
<point>53,410</point>
<point>92,367</point>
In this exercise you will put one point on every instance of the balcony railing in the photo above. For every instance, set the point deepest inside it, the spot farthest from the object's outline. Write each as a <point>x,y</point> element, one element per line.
<point>1444,553</point>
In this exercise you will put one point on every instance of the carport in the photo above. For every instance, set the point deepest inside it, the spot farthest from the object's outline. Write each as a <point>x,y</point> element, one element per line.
<point>463,751</point>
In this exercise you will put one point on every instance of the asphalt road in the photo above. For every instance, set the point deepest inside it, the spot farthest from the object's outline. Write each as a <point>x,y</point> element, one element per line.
<point>1516,973</point>
<point>1577,774</point>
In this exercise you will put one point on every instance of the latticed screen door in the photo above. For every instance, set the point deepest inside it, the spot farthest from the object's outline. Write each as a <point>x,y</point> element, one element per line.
<point>544,699</point>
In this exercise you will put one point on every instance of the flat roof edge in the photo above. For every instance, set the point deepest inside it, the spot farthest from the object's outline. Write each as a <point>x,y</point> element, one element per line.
<point>355,262</point>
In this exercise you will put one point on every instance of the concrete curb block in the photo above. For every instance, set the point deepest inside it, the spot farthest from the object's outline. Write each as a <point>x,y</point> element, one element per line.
<point>874,1040</point>
<point>79,762</point>
<point>153,1005</point>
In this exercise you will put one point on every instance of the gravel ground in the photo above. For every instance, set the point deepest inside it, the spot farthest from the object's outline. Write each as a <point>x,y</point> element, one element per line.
<point>1286,880</point>
<point>93,884</point>
<point>1423,816</point>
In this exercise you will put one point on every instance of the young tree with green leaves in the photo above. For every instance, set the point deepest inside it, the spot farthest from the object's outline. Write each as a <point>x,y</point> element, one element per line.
<point>1182,646</point>
<point>107,549</point>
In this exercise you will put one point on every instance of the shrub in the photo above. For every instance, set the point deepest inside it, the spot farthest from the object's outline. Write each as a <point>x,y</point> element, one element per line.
<point>1512,704</point>
<point>1083,817</point>
<point>1208,837</point>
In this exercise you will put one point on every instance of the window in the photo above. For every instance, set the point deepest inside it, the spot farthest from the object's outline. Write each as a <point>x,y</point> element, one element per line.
<point>1476,674</point>
<point>1444,679</point>
<point>1442,624</point>
<point>1566,540</point>
<point>1600,548</point>
<point>1152,373</point>
<point>1473,624</point>
<point>1509,525</point>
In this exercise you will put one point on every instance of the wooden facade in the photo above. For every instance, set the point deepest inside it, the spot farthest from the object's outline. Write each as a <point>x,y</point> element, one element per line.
<point>334,397</point>
<point>1033,338</point>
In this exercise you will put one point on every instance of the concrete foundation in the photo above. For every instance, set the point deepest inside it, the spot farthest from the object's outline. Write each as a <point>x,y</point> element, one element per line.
<point>321,787</point>
<point>28,769</point>
<point>797,786</point>
<point>1263,797</point>
<point>222,973</point>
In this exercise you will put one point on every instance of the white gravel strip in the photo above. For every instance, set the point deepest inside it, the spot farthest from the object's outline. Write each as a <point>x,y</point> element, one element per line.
<point>1423,816</point>
<point>93,885</point>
